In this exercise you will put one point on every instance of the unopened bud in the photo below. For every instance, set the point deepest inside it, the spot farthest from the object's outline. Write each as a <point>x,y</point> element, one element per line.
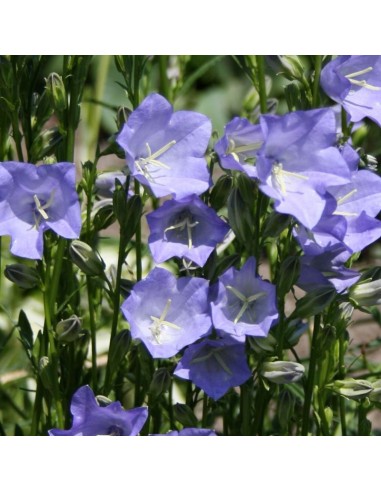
<point>86,259</point>
<point>184,415</point>
<point>56,90</point>
<point>160,383</point>
<point>45,371</point>
<point>122,116</point>
<point>288,274</point>
<point>263,344</point>
<point>282,371</point>
<point>68,330</point>
<point>22,275</point>
<point>375,394</point>
<point>354,389</point>
<point>293,66</point>
<point>118,349</point>
<point>103,401</point>
<point>314,302</point>
<point>220,191</point>
<point>366,294</point>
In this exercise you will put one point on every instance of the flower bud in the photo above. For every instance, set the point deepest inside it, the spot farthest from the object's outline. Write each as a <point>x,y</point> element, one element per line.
<point>86,259</point>
<point>354,389</point>
<point>366,294</point>
<point>56,90</point>
<point>282,371</point>
<point>240,217</point>
<point>118,349</point>
<point>68,330</point>
<point>184,415</point>
<point>160,383</point>
<point>122,116</point>
<point>293,66</point>
<point>45,371</point>
<point>22,275</point>
<point>103,401</point>
<point>288,274</point>
<point>263,344</point>
<point>220,191</point>
<point>314,302</point>
<point>375,394</point>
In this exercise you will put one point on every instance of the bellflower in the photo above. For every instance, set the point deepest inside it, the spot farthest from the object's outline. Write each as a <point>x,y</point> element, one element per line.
<point>89,419</point>
<point>355,83</point>
<point>105,183</point>
<point>238,148</point>
<point>168,313</point>
<point>299,160</point>
<point>185,228</point>
<point>214,365</point>
<point>34,199</point>
<point>165,149</point>
<point>242,303</point>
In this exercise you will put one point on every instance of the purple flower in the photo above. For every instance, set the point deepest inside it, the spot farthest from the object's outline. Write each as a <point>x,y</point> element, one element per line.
<point>165,149</point>
<point>34,199</point>
<point>189,431</point>
<point>355,82</point>
<point>239,146</point>
<point>105,183</point>
<point>244,304</point>
<point>89,419</point>
<point>215,366</point>
<point>185,228</point>
<point>168,313</point>
<point>299,160</point>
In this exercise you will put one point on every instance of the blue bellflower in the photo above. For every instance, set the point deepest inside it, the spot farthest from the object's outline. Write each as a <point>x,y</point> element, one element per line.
<point>34,199</point>
<point>189,431</point>
<point>239,146</point>
<point>185,228</point>
<point>89,419</point>
<point>355,83</point>
<point>299,160</point>
<point>167,313</point>
<point>165,150</point>
<point>215,366</point>
<point>243,303</point>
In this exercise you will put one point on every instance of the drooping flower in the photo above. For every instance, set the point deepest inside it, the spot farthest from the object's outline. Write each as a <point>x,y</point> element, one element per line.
<point>215,366</point>
<point>355,83</point>
<point>34,199</point>
<point>165,150</point>
<point>299,160</point>
<point>167,313</point>
<point>185,228</point>
<point>89,419</point>
<point>239,146</point>
<point>243,303</point>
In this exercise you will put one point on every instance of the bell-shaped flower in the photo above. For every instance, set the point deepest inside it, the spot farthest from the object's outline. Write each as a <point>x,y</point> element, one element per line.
<point>189,431</point>
<point>186,228</point>
<point>238,148</point>
<point>90,419</point>
<point>242,303</point>
<point>215,366</point>
<point>167,313</point>
<point>165,150</point>
<point>36,198</point>
<point>355,83</point>
<point>299,160</point>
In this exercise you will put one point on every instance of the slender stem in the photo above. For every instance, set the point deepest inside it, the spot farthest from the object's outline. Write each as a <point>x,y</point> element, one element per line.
<point>55,281</point>
<point>204,410</point>
<point>93,335</point>
<point>138,241</point>
<point>315,93</point>
<point>280,330</point>
<point>246,409</point>
<point>344,124</point>
<point>262,83</point>
<point>261,400</point>
<point>17,137</point>
<point>164,82</point>
<point>342,372</point>
<point>311,377</point>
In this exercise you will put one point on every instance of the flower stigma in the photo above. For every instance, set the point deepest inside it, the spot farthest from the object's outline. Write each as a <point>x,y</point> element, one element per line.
<point>234,151</point>
<point>246,301</point>
<point>143,162</point>
<point>361,83</point>
<point>278,174</point>
<point>182,223</point>
<point>158,323</point>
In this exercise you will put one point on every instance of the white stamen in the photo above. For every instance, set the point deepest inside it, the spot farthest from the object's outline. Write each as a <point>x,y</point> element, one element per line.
<point>278,172</point>
<point>181,225</point>
<point>345,197</point>
<point>361,83</point>
<point>158,323</point>
<point>143,162</point>
<point>246,301</point>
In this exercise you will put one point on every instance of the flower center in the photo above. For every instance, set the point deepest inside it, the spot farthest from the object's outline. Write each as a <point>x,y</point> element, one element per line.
<point>158,324</point>
<point>234,150</point>
<point>184,221</point>
<point>40,207</point>
<point>245,302</point>
<point>152,160</point>
<point>361,83</point>
<point>278,175</point>
<point>214,352</point>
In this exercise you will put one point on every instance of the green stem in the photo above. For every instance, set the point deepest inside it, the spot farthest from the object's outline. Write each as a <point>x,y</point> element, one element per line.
<point>138,241</point>
<point>17,136</point>
<point>315,93</point>
<point>90,294</point>
<point>342,373</point>
<point>311,377</point>
<point>262,83</point>
<point>204,410</point>
<point>164,82</point>
<point>246,409</point>
<point>280,330</point>
<point>55,281</point>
